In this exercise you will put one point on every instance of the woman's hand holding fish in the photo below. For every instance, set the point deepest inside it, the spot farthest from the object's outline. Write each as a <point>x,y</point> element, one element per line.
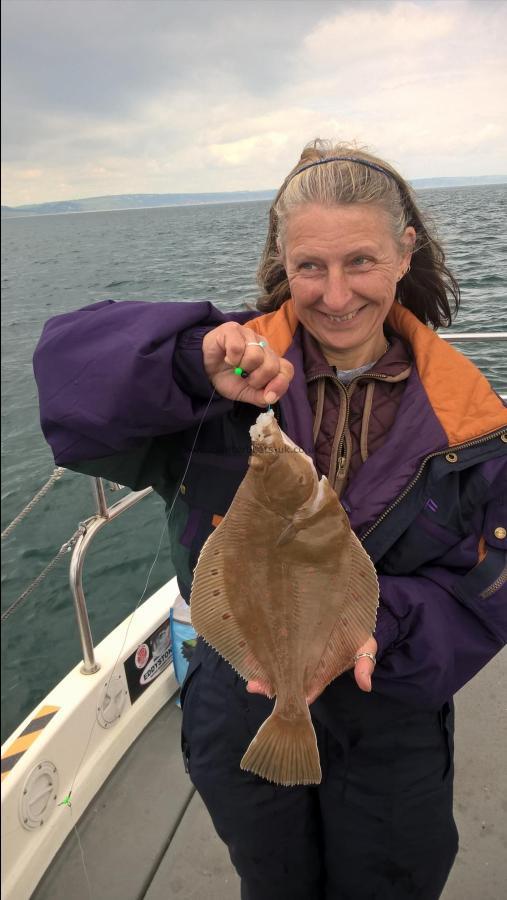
<point>233,346</point>
<point>363,670</point>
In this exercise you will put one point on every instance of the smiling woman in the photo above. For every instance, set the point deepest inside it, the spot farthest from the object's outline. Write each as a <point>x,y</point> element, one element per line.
<point>411,439</point>
<point>345,177</point>
<point>343,266</point>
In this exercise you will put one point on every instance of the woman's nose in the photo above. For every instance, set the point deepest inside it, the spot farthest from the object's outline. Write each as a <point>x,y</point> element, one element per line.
<point>338,292</point>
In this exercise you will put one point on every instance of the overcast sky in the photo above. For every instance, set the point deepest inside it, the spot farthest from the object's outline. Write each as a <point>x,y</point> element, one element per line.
<point>155,96</point>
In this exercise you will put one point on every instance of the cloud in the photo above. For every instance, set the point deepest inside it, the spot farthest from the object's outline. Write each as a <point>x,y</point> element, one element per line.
<point>30,174</point>
<point>126,96</point>
<point>366,35</point>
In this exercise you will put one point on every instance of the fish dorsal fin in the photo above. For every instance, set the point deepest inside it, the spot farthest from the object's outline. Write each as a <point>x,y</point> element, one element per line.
<point>356,621</point>
<point>363,584</point>
<point>211,612</point>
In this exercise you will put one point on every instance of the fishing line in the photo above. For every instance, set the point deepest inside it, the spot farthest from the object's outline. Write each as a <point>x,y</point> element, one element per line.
<point>67,799</point>
<point>88,885</point>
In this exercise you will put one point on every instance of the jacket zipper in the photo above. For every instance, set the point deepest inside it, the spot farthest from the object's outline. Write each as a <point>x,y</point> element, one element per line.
<point>409,487</point>
<point>342,459</point>
<point>500,581</point>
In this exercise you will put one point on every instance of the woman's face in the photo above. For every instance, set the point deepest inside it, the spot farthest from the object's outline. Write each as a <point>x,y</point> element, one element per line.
<point>343,263</point>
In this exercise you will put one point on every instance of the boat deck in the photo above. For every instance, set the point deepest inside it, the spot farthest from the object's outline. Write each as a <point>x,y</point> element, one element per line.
<point>147,834</point>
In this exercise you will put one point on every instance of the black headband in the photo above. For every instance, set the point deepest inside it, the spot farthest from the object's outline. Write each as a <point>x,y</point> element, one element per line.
<point>354,159</point>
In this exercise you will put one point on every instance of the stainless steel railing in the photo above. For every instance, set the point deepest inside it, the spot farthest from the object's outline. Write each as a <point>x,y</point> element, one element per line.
<point>474,336</point>
<point>92,526</point>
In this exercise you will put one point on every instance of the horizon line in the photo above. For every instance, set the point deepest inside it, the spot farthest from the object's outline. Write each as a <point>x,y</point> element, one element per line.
<point>211,194</point>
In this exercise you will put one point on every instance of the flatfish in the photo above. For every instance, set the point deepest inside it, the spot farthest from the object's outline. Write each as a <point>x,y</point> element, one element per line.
<point>285,592</point>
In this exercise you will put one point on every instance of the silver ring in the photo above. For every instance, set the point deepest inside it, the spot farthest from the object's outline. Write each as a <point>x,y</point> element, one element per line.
<point>257,344</point>
<point>369,655</point>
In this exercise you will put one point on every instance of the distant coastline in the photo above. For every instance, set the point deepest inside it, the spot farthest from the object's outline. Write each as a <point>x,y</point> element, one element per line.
<point>119,202</point>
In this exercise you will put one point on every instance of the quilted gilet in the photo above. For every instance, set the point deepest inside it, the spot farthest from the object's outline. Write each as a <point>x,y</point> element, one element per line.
<point>351,421</point>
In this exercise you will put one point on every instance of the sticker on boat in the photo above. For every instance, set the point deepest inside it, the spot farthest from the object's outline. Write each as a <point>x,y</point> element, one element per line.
<point>148,661</point>
<point>142,656</point>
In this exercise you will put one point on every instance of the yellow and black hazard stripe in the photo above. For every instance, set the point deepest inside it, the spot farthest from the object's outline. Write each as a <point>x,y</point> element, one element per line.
<point>26,738</point>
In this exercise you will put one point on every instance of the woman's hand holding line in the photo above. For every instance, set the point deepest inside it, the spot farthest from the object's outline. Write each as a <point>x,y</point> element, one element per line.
<point>232,346</point>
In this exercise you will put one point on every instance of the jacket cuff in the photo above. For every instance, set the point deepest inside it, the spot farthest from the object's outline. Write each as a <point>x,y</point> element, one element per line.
<point>188,365</point>
<point>386,631</point>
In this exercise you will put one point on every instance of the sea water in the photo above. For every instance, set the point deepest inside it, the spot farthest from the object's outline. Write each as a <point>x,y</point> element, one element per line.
<point>56,263</point>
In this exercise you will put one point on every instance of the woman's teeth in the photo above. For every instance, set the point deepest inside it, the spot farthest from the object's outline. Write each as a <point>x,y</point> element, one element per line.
<point>342,318</point>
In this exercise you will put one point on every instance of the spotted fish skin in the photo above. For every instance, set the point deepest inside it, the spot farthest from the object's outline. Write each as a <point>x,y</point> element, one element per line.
<point>285,592</point>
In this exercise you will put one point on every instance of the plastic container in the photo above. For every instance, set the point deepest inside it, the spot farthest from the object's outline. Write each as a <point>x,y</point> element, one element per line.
<point>183,638</point>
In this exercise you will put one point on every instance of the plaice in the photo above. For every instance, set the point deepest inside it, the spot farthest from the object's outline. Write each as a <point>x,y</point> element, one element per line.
<point>285,592</point>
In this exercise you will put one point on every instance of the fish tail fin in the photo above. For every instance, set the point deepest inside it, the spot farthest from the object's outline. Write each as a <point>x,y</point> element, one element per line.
<point>284,750</point>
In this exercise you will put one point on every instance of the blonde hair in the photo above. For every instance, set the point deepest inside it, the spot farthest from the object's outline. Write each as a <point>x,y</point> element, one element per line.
<point>361,177</point>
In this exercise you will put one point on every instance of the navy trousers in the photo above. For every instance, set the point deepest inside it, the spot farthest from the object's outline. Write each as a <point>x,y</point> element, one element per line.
<point>378,827</point>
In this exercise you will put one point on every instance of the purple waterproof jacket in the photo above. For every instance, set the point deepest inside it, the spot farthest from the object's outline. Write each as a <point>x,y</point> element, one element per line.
<point>122,393</point>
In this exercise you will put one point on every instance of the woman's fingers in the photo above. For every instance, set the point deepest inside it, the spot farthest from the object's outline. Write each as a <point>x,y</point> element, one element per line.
<point>261,363</point>
<point>278,385</point>
<point>242,348</point>
<point>264,376</point>
<point>365,666</point>
<point>258,687</point>
<point>232,345</point>
<point>363,671</point>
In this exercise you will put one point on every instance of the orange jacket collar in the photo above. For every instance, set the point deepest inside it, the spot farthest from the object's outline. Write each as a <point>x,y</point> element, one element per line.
<point>460,395</point>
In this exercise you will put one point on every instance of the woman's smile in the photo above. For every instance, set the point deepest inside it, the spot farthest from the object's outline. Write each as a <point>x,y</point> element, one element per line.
<point>345,318</point>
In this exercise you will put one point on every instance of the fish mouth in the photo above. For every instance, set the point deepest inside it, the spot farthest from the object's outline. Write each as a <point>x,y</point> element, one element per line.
<point>264,430</point>
<point>268,438</point>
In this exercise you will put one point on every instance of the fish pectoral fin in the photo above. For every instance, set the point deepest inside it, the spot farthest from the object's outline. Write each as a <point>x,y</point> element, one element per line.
<point>288,534</point>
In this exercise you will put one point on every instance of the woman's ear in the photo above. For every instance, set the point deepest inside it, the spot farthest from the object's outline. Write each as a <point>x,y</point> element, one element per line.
<point>408,243</point>
<point>408,240</point>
